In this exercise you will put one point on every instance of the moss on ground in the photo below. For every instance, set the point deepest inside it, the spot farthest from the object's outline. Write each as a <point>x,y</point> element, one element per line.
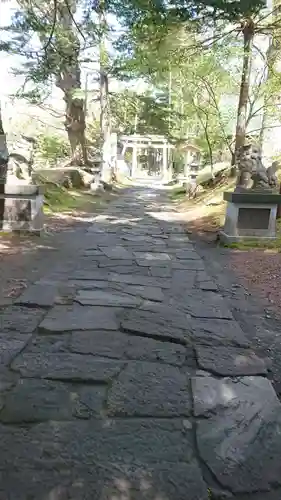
<point>61,200</point>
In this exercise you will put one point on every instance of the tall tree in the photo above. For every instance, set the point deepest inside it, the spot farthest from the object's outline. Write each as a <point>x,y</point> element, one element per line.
<point>48,38</point>
<point>272,77</point>
<point>105,118</point>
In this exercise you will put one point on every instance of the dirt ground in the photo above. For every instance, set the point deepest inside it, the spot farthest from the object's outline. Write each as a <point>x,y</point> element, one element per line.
<point>256,269</point>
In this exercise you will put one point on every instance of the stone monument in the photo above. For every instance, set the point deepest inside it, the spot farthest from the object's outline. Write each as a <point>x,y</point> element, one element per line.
<point>252,207</point>
<point>21,202</point>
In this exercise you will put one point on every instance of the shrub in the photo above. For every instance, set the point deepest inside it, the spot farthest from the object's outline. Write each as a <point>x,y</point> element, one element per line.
<point>52,148</point>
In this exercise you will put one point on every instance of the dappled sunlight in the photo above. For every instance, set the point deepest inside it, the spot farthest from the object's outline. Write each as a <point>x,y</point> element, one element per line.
<point>4,246</point>
<point>227,393</point>
<point>76,217</point>
<point>167,216</point>
<point>106,219</point>
<point>244,361</point>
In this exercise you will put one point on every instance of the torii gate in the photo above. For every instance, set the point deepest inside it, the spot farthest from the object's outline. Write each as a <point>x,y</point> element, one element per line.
<point>138,142</point>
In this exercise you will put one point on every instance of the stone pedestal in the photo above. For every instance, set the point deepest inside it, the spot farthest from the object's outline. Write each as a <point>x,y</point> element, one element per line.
<point>250,216</point>
<point>22,208</point>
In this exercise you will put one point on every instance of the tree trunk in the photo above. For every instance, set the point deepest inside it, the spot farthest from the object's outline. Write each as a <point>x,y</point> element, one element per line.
<point>69,81</point>
<point>248,30</point>
<point>272,59</point>
<point>75,126</point>
<point>105,125</point>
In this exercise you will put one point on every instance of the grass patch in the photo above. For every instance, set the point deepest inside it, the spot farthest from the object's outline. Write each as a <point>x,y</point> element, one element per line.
<point>59,199</point>
<point>271,245</point>
<point>247,245</point>
<point>177,194</point>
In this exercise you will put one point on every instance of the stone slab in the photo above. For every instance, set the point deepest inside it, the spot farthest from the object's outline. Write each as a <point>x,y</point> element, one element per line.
<point>105,263</point>
<point>136,270</point>
<point>202,276</point>
<point>230,361</point>
<point>207,286</point>
<point>76,317</point>
<point>229,239</point>
<point>92,399</point>
<point>92,252</point>
<point>192,265</point>
<point>154,262</point>
<point>151,256</point>
<point>116,252</point>
<point>41,295</point>
<point>214,332</point>
<point>183,254</point>
<point>147,389</point>
<point>204,305</point>
<point>132,279</point>
<point>99,343</point>
<point>164,323</point>
<point>127,278</point>
<point>66,366</point>
<point>121,346</point>
<point>21,319</point>
<point>106,298</point>
<point>145,247</point>
<point>41,400</point>
<point>254,197</point>
<point>161,272</point>
<point>182,281</point>
<point>23,190</point>
<point>146,459</point>
<point>243,427</point>
<point>134,238</point>
<point>146,292</point>
<point>90,285</point>
<point>11,344</point>
<point>89,275</point>
<point>49,343</point>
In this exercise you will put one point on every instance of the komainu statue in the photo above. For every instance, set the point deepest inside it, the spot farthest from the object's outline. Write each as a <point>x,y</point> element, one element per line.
<point>252,173</point>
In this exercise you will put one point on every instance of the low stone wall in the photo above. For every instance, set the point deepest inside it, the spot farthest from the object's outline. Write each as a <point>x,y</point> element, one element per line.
<point>63,176</point>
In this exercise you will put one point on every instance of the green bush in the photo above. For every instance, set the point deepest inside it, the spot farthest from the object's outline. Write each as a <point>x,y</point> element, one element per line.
<point>52,148</point>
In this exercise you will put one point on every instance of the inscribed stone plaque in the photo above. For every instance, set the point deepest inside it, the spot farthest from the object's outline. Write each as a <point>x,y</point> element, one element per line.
<point>253,218</point>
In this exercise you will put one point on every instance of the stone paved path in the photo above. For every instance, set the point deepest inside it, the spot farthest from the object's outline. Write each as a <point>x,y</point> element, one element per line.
<point>124,376</point>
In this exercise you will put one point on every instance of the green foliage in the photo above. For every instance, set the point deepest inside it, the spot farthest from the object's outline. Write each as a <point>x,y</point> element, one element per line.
<point>60,200</point>
<point>197,63</point>
<point>147,112</point>
<point>52,148</point>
